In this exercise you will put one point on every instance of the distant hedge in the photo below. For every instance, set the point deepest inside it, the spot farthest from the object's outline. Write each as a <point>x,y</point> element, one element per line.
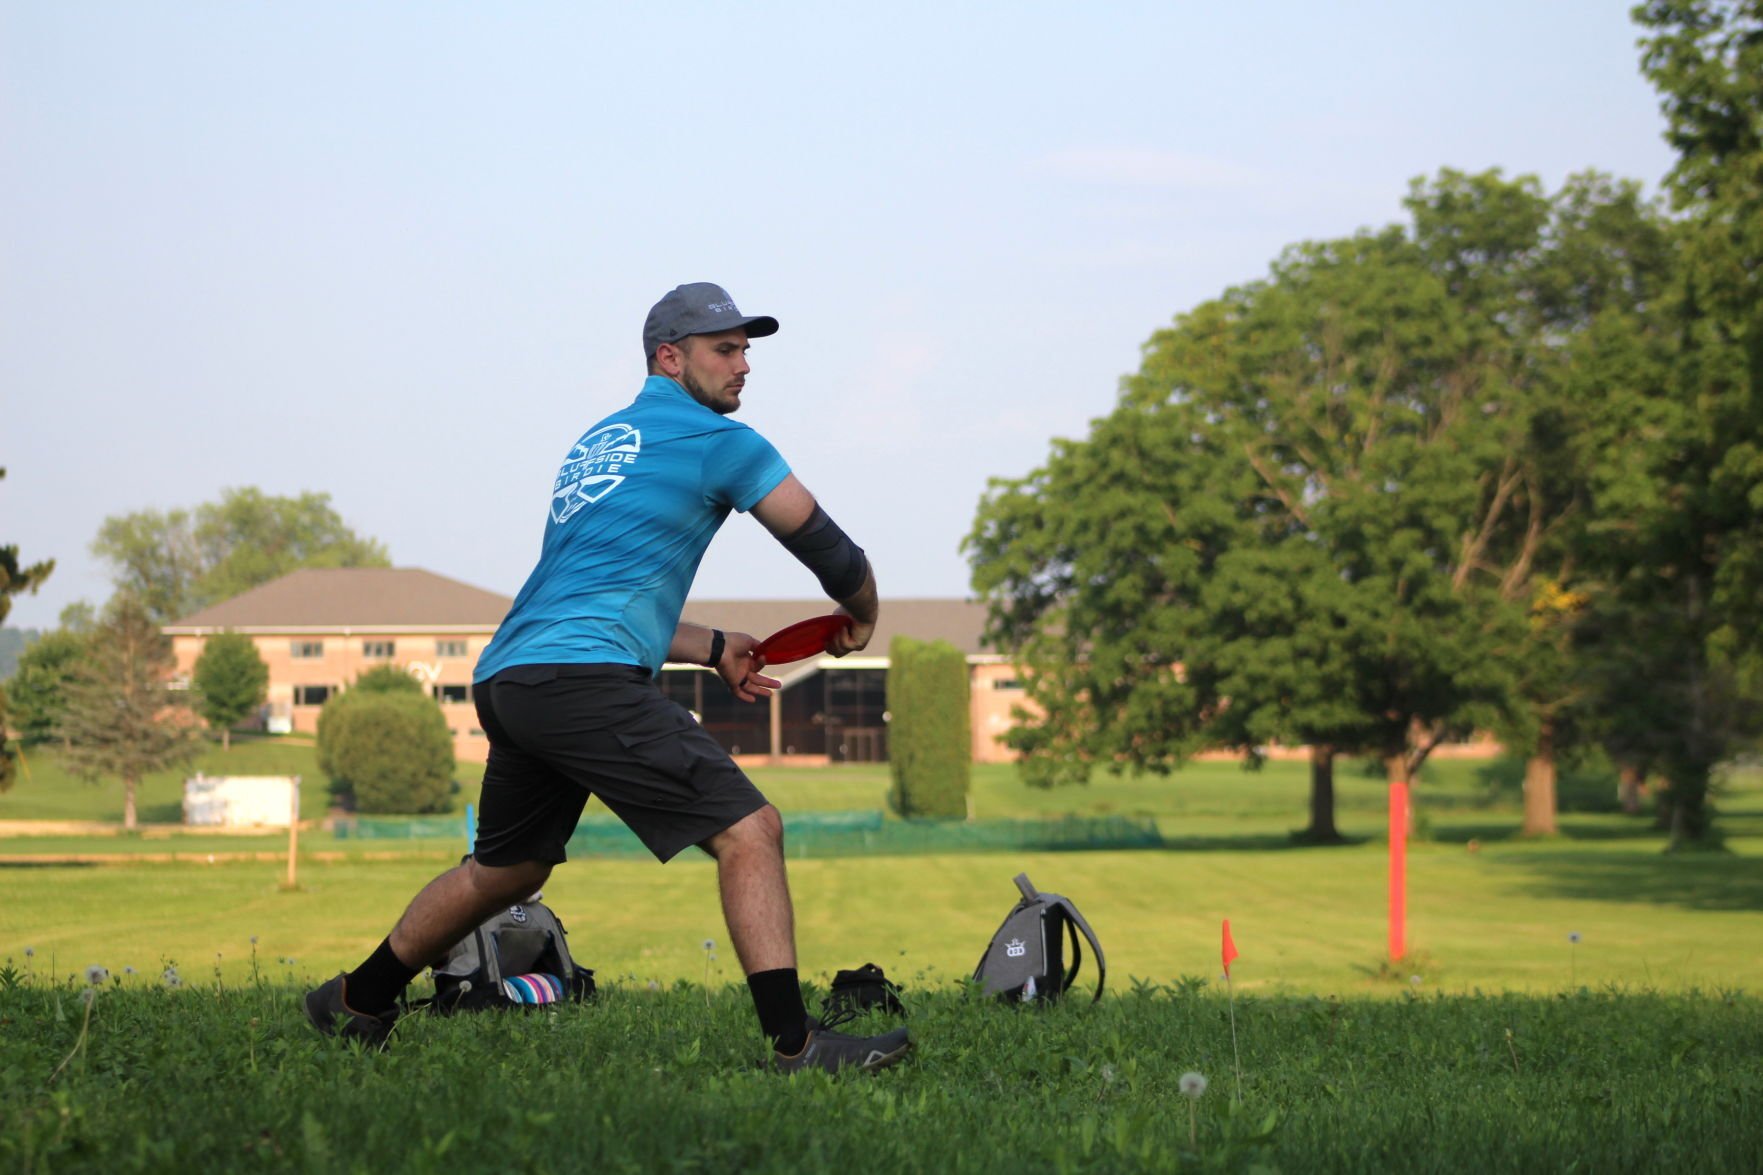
<point>389,749</point>
<point>930,749</point>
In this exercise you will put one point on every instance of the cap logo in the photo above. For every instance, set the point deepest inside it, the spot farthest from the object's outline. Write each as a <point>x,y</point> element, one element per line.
<point>720,307</point>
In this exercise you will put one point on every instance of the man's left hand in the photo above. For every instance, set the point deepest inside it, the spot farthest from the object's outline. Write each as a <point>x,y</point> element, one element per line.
<point>740,666</point>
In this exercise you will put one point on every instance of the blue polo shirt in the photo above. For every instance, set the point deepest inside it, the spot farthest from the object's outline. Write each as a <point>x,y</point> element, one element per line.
<point>634,506</point>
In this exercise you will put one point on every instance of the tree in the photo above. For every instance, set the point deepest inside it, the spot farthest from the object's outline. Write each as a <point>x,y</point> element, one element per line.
<point>930,747</point>
<point>390,749</point>
<point>39,689</point>
<point>1328,504</point>
<point>231,681</point>
<point>176,562</point>
<point>14,578</point>
<point>1702,583</point>
<point>123,719</point>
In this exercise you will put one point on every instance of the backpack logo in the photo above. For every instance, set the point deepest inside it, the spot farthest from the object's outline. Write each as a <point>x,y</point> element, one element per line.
<point>1016,948</point>
<point>516,913</point>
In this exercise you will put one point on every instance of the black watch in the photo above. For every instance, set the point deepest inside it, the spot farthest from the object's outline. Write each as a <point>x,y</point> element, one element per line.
<point>716,642</point>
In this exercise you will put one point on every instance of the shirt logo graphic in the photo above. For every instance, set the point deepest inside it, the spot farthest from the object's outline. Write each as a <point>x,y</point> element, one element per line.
<point>1016,948</point>
<point>593,469</point>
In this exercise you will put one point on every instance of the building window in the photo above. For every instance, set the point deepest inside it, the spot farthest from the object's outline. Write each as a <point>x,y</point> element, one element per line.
<point>380,650</point>
<point>312,695</point>
<point>450,649</point>
<point>1006,683</point>
<point>452,695</point>
<point>305,650</point>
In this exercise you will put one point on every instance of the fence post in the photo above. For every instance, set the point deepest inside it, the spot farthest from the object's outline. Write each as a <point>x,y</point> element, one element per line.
<point>293,828</point>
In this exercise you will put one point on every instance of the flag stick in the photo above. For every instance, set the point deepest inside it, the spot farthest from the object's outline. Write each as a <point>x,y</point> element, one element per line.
<point>1235,1055</point>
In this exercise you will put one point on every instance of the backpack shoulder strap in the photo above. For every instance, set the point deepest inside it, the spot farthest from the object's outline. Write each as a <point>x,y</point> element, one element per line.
<point>1077,920</point>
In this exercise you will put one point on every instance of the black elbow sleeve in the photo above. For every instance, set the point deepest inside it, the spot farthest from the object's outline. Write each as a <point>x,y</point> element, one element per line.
<point>839,564</point>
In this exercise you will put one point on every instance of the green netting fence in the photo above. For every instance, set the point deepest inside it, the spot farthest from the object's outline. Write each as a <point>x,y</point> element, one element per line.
<point>830,834</point>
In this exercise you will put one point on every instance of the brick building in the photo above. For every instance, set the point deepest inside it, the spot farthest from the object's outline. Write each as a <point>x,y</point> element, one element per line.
<point>317,629</point>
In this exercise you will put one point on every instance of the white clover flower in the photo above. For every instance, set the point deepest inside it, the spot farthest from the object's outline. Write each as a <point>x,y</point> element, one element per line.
<point>96,974</point>
<point>1192,1084</point>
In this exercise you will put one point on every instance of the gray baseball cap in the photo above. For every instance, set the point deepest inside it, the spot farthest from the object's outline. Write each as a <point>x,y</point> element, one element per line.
<point>698,308</point>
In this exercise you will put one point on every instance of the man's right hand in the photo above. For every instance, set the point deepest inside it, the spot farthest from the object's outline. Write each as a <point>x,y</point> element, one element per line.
<point>853,638</point>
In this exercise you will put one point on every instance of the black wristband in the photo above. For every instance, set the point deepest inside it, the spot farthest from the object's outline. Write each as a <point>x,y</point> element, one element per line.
<point>716,642</point>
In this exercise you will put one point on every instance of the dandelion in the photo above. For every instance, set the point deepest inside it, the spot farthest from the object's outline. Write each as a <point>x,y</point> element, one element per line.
<point>96,974</point>
<point>1414,980</point>
<point>87,996</point>
<point>1108,1074</point>
<point>128,970</point>
<point>253,940</point>
<point>710,944</point>
<point>1572,958</point>
<point>30,952</point>
<point>1573,936</point>
<point>654,985</point>
<point>1192,1085</point>
<point>171,977</point>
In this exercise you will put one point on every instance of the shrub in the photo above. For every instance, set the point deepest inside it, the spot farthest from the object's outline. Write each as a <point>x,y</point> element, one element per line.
<point>387,679</point>
<point>389,749</point>
<point>930,753</point>
<point>231,681</point>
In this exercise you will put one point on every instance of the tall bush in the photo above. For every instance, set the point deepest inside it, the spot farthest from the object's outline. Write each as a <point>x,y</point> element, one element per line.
<point>930,749</point>
<point>390,750</point>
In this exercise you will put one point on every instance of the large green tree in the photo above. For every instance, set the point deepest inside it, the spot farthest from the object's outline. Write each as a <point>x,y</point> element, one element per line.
<point>1339,506</point>
<point>122,719</point>
<point>230,680</point>
<point>15,577</point>
<point>178,561</point>
<point>38,691</point>
<point>1695,596</point>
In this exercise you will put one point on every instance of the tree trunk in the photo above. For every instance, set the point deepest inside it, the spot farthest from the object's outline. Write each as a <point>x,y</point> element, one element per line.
<point>1539,787</point>
<point>128,802</point>
<point>1628,788</point>
<point>226,738</point>
<point>1322,827</point>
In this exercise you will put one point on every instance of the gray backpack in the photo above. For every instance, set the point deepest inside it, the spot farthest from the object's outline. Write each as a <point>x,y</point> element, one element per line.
<point>518,957</point>
<point>1026,959</point>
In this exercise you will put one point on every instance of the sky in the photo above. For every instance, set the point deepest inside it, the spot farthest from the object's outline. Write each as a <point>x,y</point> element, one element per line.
<point>401,253</point>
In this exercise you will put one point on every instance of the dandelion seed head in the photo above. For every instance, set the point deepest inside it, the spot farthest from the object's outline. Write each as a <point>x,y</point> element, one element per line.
<point>1192,1084</point>
<point>96,974</point>
<point>710,944</point>
<point>30,952</point>
<point>128,970</point>
<point>253,940</point>
<point>654,985</point>
<point>87,996</point>
<point>1415,980</point>
<point>1573,936</point>
<point>1108,1074</point>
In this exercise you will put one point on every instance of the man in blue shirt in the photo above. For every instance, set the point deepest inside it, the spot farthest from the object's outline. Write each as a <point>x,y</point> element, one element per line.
<point>566,691</point>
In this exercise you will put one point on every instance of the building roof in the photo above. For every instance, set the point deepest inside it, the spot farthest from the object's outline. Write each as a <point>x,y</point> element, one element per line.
<point>404,599</point>
<point>960,622</point>
<point>354,599</point>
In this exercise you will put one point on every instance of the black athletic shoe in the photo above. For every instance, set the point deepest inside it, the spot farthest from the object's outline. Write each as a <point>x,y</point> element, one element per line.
<point>833,1051</point>
<point>330,1015</point>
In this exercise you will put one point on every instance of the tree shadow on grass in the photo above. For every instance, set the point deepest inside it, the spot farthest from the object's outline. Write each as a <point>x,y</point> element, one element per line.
<point>1251,843</point>
<point>1689,881</point>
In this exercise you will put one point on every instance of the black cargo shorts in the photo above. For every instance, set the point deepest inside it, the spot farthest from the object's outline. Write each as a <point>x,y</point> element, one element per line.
<point>559,733</point>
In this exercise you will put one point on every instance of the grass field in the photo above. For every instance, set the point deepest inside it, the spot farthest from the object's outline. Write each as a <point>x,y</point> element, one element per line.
<point>1499,1043</point>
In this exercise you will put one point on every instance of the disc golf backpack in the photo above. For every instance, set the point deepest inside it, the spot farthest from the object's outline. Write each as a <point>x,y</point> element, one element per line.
<point>518,957</point>
<point>1026,958</point>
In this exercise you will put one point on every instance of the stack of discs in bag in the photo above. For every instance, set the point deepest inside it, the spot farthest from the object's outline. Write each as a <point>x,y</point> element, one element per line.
<point>536,988</point>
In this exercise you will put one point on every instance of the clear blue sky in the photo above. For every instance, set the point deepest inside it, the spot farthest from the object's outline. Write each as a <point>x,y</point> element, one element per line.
<point>402,253</point>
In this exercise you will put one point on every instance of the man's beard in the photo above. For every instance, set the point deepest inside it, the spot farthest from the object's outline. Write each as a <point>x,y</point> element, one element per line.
<point>699,393</point>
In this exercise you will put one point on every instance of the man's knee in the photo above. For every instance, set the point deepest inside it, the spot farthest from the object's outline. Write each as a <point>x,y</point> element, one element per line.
<point>763,828</point>
<point>507,883</point>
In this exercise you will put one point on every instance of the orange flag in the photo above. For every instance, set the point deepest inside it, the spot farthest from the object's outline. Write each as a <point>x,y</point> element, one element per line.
<point>1230,948</point>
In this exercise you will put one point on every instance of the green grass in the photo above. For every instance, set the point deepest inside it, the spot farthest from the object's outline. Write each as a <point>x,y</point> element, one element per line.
<point>206,1079</point>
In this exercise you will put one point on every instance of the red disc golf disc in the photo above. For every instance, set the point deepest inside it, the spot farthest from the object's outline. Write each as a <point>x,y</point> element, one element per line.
<point>805,638</point>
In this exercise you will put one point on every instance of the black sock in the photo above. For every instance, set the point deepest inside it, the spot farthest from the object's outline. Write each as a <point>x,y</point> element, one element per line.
<point>379,981</point>
<point>777,996</point>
